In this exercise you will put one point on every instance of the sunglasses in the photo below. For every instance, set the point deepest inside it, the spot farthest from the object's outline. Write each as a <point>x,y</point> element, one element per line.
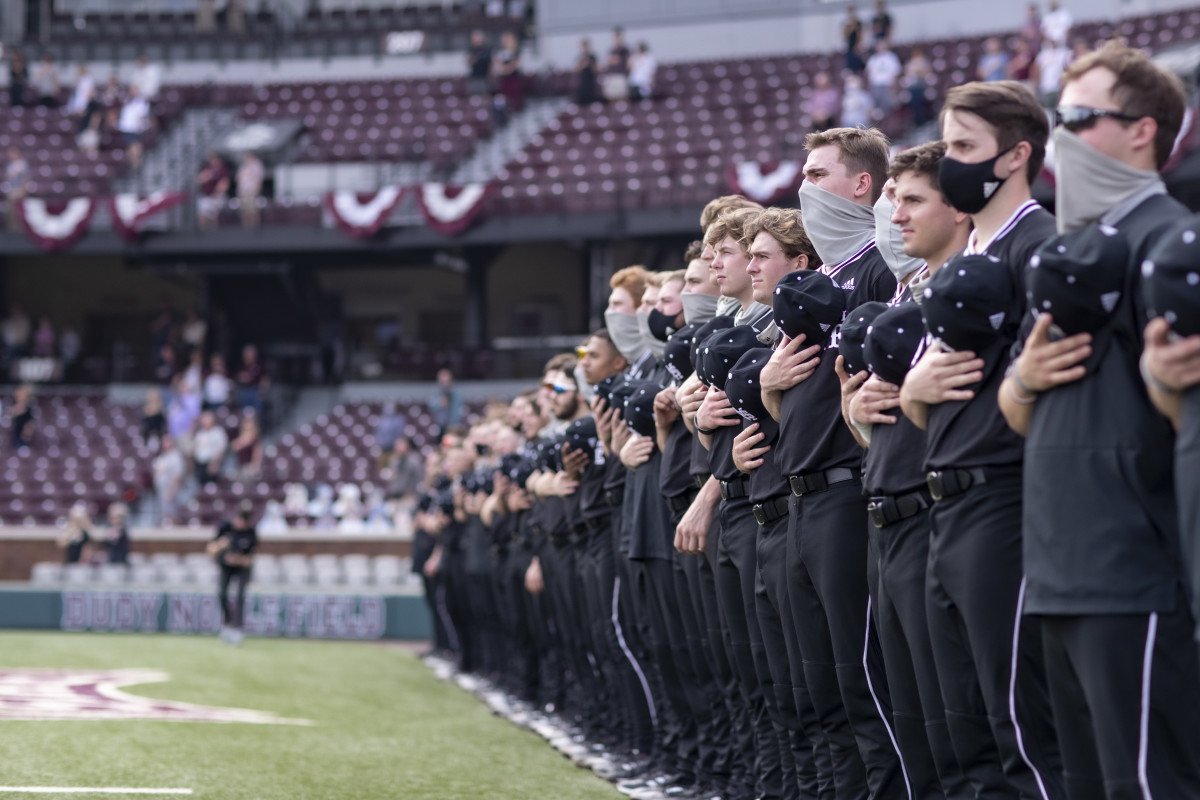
<point>1080,118</point>
<point>556,388</point>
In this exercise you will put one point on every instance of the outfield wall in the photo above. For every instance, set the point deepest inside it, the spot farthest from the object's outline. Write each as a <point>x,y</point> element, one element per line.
<point>298,615</point>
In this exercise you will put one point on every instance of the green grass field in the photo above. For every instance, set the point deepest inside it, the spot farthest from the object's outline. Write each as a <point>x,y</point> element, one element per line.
<point>384,727</point>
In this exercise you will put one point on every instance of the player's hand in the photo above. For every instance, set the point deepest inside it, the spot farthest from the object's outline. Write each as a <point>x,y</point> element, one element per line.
<point>519,500</point>
<point>691,534</point>
<point>1045,364</point>
<point>1174,364</point>
<point>749,447</point>
<point>716,411</point>
<point>620,435</point>
<point>939,376</point>
<point>574,461</point>
<point>561,485</point>
<point>604,419</point>
<point>789,365</point>
<point>869,403</point>
<point>534,584</point>
<point>665,410</point>
<point>637,451</point>
<point>689,397</point>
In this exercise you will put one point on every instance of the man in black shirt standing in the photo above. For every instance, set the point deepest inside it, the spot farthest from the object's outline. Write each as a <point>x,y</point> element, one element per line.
<point>893,476</point>
<point>1100,523</point>
<point>995,135</point>
<point>233,547</point>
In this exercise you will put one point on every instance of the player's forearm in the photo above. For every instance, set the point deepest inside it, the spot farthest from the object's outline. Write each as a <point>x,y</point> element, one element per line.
<point>1016,406</point>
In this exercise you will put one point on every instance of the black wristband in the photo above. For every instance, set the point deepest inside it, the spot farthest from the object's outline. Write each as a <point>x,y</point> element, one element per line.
<point>705,431</point>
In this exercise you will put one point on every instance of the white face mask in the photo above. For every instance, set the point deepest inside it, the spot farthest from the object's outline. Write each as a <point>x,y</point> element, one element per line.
<point>698,307</point>
<point>890,243</point>
<point>652,344</point>
<point>1088,184</point>
<point>623,328</point>
<point>837,227</point>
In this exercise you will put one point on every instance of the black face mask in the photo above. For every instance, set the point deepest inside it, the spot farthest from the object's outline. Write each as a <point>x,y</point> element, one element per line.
<point>661,326</point>
<point>970,187</point>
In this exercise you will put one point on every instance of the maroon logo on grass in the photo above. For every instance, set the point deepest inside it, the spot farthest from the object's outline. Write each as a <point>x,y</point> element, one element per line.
<point>75,694</point>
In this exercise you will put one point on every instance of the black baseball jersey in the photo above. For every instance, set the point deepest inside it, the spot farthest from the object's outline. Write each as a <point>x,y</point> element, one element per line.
<point>720,453</point>
<point>973,433</point>
<point>812,434</point>
<point>647,521</point>
<point>863,277</point>
<point>894,463</point>
<point>478,547</point>
<point>242,541</point>
<point>593,502</point>
<point>768,480</point>
<point>699,461</point>
<point>1187,483</point>
<point>676,475</point>
<point>1020,237</point>
<point>1100,521</point>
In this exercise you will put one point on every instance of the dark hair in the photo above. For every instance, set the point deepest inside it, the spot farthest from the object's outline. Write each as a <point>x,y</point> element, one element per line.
<point>1011,110</point>
<point>924,160</point>
<point>693,251</point>
<point>1142,89</point>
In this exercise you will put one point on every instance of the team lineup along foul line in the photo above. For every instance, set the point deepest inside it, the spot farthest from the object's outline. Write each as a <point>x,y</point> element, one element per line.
<point>88,790</point>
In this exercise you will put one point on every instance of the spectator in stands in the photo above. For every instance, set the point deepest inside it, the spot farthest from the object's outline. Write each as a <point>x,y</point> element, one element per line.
<point>89,138</point>
<point>642,67</point>
<point>883,75</point>
<point>193,373</point>
<point>447,405</point>
<point>1057,24</point>
<point>76,540</point>
<point>133,123</point>
<point>1020,66</point>
<point>112,97</point>
<point>83,101</point>
<point>852,33</point>
<point>45,83</point>
<point>824,105</point>
<point>213,180</point>
<point>918,77</point>
<point>206,16</point>
<point>585,74</point>
<point>194,332</point>
<point>881,23</point>
<point>234,548</point>
<point>404,472</point>
<point>154,422</point>
<point>217,385</point>
<point>249,188</point>
<point>506,75</point>
<point>116,541</point>
<point>17,329</point>
<point>1079,49</point>
<point>147,77</point>
<point>209,445</point>
<point>619,53</point>
<point>247,447</point>
<point>18,80</point>
<point>251,381</point>
<point>43,338</point>
<point>70,347</point>
<point>390,427</point>
<point>23,417</point>
<point>235,17</point>
<point>182,412</point>
<point>166,365</point>
<point>1031,29</point>
<point>1048,68</point>
<point>169,470</point>
<point>16,184</point>
<point>479,64</point>
<point>993,64</point>
<point>857,105</point>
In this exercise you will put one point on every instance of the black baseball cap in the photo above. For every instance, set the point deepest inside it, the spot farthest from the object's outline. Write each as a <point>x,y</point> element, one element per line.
<point>620,393</point>
<point>677,354</point>
<point>639,409</point>
<point>1171,278</point>
<point>581,435</point>
<point>520,471</point>
<point>854,334</point>
<point>745,391</point>
<point>706,330</point>
<point>809,303</point>
<point>604,388</point>
<point>1078,278</point>
<point>971,302</point>
<point>893,339</point>
<point>719,352</point>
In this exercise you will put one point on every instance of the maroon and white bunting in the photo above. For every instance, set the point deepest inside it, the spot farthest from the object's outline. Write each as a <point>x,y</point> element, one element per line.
<point>764,183</point>
<point>450,210</point>
<point>55,224</point>
<point>129,211</point>
<point>362,215</point>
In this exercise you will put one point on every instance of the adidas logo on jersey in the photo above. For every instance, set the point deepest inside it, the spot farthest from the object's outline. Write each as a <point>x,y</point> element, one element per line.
<point>848,285</point>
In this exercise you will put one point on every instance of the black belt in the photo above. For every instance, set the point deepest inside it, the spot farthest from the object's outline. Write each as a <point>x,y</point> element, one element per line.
<point>738,487</point>
<point>615,496</point>
<point>891,508</point>
<point>771,510</point>
<point>700,480</point>
<point>596,523</point>
<point>680,502</point>
<point>945,483</point>
<point>820,481</point>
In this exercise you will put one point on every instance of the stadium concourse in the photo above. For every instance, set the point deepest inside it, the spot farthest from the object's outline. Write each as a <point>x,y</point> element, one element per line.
<point>794,403</point>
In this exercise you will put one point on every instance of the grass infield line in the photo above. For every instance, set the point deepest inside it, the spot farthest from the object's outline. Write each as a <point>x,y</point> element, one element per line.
<point>88,790</point>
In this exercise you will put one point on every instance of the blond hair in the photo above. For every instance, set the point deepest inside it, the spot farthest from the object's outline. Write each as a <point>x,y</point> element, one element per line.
<point>860,150</point>
<point>784,225</point>
<point>719,205</point>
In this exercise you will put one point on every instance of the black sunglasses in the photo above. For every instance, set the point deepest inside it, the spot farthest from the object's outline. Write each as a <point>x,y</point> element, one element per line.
<point>1080,118</point>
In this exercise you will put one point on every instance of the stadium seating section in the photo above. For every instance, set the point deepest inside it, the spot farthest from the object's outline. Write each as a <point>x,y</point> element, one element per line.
<point>673,149</point>
<point>89,449</point>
